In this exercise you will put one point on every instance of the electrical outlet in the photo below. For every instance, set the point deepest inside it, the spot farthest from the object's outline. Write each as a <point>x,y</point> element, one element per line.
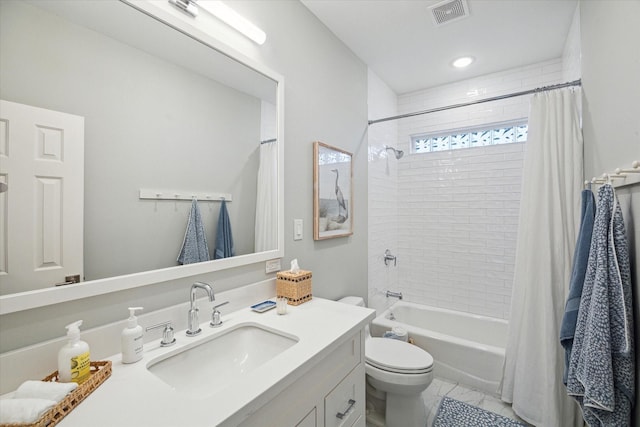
<point>272,266</point>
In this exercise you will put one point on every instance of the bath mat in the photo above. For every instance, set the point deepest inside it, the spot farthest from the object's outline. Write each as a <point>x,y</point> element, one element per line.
<point>453,413</point>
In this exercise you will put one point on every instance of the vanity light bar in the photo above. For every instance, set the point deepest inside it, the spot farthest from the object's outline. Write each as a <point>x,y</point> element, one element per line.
<point>224,13</point>
<point>186,6</point>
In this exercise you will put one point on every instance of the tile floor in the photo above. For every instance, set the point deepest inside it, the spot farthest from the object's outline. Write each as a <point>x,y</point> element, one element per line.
<point>439,388</point>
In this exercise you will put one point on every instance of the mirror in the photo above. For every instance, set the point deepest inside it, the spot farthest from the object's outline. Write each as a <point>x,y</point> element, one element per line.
<point>164,112</point>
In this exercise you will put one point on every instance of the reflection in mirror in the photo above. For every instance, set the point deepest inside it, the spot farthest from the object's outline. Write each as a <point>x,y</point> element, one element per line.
<point>154,109</point>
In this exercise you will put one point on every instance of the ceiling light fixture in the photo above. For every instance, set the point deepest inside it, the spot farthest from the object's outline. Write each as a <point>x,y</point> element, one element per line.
<point>234,20</point>
<point>462,62</point>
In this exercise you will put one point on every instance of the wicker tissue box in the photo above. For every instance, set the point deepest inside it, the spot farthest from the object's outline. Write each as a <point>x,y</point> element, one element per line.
<point>296,287</point>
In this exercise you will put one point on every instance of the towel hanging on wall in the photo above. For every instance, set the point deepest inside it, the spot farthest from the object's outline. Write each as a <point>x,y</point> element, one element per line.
<point>224,238</point>
<point>194,245</point>
<point>601,368</point>
<point>578,271</point>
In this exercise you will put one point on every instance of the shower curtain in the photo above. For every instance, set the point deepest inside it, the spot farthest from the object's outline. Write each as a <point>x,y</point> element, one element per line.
<point>266,225</point>
<point>549,211</point>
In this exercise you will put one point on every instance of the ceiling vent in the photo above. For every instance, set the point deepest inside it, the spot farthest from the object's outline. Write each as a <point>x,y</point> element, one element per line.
<point>449,11</point>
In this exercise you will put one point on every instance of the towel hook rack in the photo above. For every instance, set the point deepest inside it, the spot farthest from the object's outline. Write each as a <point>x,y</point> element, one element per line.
<point>609,177</point>
<point>619,174</point>
<point>635,168</point>
<point>154,194</point>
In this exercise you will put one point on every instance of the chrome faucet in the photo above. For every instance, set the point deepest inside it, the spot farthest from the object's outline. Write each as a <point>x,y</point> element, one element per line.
<point>194,324</point>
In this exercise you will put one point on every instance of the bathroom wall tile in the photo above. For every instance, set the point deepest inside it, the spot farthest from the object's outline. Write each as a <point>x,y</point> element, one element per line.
<point>383,194</point>
<point>451,215</point>
<point>466,200</point>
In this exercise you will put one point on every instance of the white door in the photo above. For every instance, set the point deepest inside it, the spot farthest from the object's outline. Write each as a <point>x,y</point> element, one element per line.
<point>41,211</point>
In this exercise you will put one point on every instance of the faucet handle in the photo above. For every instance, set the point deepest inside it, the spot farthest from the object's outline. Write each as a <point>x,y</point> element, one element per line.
<point>167,335</point>
<point>216,319</point>
<point>389,257</point>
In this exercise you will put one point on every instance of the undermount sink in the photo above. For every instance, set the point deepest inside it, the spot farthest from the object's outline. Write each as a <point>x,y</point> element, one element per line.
<point>215,362</point>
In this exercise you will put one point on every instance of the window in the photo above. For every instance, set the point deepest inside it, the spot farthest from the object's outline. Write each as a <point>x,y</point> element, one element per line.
<point>501,133</point>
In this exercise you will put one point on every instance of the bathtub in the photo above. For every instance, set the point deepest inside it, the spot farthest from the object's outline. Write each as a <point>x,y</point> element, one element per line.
<point>466,348</point>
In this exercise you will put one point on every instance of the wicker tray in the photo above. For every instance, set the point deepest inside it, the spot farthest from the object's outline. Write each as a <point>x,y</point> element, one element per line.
<point>100,371</point>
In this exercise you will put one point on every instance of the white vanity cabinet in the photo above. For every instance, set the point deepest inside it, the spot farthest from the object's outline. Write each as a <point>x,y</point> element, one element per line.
<point>318,381</point>
<point>331,393</point>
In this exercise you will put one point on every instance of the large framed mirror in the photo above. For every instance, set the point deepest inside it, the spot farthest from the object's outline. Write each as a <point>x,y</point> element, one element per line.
<point>160,110</point>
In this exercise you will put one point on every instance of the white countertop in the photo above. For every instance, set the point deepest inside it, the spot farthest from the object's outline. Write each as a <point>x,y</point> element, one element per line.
<point>133,396</point>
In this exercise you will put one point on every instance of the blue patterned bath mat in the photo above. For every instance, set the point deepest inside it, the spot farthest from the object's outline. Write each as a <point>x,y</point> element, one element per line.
<point>453,413</point>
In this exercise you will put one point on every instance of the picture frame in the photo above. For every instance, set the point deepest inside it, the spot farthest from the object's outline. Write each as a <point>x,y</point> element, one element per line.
<point>332,192</point>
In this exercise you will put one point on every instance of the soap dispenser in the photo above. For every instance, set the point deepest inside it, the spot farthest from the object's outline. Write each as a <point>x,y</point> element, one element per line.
<point>73,359</point>
<point>132,338</point>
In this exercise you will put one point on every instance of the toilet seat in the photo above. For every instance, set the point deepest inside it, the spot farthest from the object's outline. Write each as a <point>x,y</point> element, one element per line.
<point>397,356</point>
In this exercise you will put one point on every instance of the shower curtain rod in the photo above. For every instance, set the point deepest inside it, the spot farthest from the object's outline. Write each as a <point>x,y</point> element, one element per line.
<point>479,101</point>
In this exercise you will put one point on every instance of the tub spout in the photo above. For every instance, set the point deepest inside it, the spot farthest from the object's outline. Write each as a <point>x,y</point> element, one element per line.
<point>394,294</point>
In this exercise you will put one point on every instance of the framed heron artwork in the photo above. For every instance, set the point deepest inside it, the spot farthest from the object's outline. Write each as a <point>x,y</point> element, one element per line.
<point>332,192</point>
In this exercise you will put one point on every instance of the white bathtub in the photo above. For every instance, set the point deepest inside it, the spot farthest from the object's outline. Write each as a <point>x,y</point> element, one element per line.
<point>466,348</point>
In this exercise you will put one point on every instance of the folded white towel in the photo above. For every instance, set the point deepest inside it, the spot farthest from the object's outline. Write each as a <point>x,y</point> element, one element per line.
<point>23,411</point>
<point>44,390</point>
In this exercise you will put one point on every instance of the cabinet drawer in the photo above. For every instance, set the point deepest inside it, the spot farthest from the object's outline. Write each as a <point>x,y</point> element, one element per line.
<point>294,401</point>
<point>345,403</point>
<point>309,420</point>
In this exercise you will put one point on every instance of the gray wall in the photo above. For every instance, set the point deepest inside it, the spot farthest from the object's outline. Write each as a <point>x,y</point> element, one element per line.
<point>611,115</point>
<point>148,124</point>
<point>325,99</point>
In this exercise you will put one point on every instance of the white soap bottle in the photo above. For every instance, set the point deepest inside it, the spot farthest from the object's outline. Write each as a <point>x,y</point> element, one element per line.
<point>132,338</point>
<point>73,359</point>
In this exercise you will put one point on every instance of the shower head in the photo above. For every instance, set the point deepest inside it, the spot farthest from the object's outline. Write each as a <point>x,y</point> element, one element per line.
<point>398,153</point>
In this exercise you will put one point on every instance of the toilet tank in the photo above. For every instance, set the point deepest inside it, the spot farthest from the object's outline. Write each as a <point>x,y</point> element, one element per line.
<point>359,301</point>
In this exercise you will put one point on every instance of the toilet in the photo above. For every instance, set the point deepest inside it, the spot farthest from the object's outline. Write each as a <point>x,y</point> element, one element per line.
<point>401,371</point>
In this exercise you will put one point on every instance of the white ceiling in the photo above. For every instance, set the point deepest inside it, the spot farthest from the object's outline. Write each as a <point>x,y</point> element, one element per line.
<point>400,42</point>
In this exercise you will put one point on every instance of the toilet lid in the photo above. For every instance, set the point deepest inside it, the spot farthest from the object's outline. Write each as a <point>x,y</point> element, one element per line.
<point>397,356</point>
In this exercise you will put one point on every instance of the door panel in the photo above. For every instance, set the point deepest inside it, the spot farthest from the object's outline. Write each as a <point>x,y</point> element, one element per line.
<point>42,163</point>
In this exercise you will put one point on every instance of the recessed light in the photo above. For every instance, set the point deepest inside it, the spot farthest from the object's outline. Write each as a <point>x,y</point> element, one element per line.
<point>462,62</point>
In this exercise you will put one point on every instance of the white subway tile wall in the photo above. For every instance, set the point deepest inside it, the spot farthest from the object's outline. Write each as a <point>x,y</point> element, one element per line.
<point>457,227</point>
<point>382,194</point>
<point>456,212</point>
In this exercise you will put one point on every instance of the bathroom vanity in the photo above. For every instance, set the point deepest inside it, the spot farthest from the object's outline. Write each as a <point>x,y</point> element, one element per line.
<point>311,372</point>
<point>316,379</point>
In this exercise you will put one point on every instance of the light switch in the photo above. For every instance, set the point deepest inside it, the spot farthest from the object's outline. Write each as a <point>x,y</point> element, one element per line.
<point>297,229</point>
